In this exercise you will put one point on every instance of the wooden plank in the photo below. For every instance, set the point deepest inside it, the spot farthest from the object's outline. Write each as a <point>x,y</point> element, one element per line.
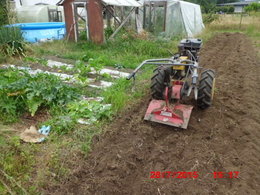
<point>122,24</point>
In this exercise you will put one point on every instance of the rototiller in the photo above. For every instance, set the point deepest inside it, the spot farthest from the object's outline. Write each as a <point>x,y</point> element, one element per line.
<point>173,81</point>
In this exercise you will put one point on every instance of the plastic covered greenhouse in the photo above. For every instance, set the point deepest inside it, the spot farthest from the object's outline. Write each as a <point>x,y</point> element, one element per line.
<point>40,13</point>
<point>171,17</point>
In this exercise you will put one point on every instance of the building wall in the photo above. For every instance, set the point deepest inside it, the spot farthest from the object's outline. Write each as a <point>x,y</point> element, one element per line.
<point>70,20</point>
<point>95,21</point>
<point>238,8</point>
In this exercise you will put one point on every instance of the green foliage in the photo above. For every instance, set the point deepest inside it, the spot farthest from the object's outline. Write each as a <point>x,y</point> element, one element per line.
<point>16,162</point>
<point>61,124</point>
<point>108,32</point>
<point>21,92</point>
<point>81,70</point>
<point>2,58</point>
<point>98,63</point>
<point>253,7</point>
<point>90,110</point>
<point>209,6</point>
<point>41,61</point>
<point>11,41</point>
<point>3,13</point>
<point>83,35</point>
<point>118,95</point>
<point>127,50</point>
<point>225,9</point>
<point>209,18</point>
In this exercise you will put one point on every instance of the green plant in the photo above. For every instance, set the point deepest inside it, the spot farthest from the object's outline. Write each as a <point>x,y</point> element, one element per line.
<point>98,63</point>
<point>16,162</point>
<point>83,35</point>
<point>2,58</point>
<point>118,95</point>
<point>225,9</point>
<point>61,124</point>
<point>253,7</point>
<point>3,13</point>
<point>41,61</point>
<point>11,41</point>
<point>90,110</point>
<point>210,17</point>
<point>21,92</point>
<point>81,71</point>
<point>108,32</point>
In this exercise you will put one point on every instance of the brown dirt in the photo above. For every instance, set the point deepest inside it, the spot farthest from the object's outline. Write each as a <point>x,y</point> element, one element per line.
<point>223,138</point>
<point>27,120</point>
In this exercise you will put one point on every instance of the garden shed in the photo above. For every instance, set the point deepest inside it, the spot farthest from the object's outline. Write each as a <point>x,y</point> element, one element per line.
<point>95,10</point>
<point>172,17</point>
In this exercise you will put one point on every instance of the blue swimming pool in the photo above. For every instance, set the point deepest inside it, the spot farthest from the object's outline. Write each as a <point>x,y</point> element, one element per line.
<point>39,32</point>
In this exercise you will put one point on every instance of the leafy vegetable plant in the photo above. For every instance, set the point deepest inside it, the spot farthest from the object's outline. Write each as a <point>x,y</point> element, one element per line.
<point>21,92</point>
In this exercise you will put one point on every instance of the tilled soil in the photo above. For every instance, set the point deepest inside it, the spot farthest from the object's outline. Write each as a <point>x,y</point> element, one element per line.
<point>224,137</point>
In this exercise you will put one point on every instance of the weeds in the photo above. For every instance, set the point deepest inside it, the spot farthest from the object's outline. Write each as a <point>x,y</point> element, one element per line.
<point>41,61</point>
<point>16,164</point>
<point>11,41</point>
<point>126,50</point>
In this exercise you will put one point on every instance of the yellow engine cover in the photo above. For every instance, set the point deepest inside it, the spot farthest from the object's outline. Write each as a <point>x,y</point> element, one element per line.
<point>180,67</point>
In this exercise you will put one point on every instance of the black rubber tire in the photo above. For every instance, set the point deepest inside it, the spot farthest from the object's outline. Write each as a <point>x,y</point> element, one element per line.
<point>206,89</point>
<point>159,81</point>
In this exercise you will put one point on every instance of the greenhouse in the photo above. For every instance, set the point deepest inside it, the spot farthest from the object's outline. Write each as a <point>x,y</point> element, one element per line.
<point>171,17</point>
<point>40,13</point>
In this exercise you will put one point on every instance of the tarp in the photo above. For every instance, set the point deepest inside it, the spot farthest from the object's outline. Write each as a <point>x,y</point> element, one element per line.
<point>125,3</point>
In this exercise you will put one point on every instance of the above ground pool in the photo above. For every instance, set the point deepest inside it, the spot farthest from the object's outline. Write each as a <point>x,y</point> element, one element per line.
<point>39,32</point>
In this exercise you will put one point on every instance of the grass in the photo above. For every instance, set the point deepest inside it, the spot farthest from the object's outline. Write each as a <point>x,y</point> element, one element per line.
<point>250,25</point>
<point>126,50</point>
<point>32,168</point>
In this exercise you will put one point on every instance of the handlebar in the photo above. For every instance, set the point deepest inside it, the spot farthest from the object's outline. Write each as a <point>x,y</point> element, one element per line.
<point>130,76</point>
<point>164,61</point>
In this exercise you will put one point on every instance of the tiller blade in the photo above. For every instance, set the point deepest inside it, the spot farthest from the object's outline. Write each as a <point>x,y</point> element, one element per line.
<point>174,115</point>
<point>160,111</point>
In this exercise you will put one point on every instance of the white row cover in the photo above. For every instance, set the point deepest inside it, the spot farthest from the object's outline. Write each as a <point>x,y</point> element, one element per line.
<point>183,16</point>
<point>125,3</point>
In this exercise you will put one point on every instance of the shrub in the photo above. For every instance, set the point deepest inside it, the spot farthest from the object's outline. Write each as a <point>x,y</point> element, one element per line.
<point>225,9</point>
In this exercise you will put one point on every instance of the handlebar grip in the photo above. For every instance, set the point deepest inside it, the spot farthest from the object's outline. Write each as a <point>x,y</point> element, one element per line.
<point>130,76</point>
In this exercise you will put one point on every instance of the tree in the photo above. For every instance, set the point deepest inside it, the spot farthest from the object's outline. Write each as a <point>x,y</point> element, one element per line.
<point>253,7</point>
<point>208,6</point>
